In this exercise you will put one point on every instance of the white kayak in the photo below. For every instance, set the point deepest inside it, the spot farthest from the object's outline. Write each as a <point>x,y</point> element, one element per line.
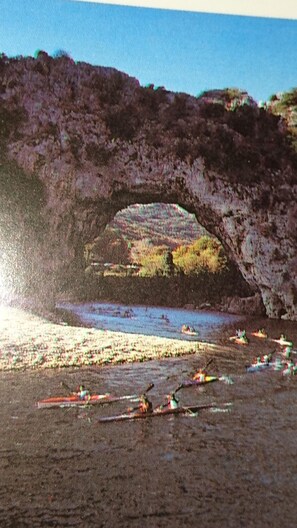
<point>259,367</point>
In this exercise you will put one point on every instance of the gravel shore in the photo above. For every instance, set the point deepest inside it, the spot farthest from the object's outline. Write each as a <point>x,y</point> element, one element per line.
<point>29,341</point>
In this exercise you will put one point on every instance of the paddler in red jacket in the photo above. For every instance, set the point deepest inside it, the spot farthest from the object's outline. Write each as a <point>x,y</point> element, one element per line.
<point>145,405</point>
<point>200,375</point>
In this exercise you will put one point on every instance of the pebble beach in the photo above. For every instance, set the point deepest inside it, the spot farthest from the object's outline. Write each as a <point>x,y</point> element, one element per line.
<point>30,341</point>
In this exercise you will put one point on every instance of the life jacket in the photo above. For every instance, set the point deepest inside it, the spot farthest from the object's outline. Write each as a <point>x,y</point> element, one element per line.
<point>83,393</point>
<point>145,405</point>
<point>199,376</point>
<point>173,403</point>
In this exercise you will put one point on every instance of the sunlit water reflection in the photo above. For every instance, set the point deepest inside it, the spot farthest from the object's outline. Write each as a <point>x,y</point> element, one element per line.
<point>150,320</point>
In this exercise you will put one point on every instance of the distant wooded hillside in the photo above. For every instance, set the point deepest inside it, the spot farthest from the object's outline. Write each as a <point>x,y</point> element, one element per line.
<point>162,224</point>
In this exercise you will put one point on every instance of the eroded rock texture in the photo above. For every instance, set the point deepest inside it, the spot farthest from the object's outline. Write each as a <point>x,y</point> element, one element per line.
<point>99,142</point>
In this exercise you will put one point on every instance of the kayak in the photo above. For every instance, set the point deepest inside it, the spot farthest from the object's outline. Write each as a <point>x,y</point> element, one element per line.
<point>192,409</point>
<point>239,340</point>
<point>190,332</point>
<point>260,334</point>
<point>259,367</point>
<point>191,383</point>
<point>74,400</point>
<point>290,371</point>
<point>283,342</point>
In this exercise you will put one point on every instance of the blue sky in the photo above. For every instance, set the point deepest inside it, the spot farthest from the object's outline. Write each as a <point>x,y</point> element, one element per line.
<point>180,50</point>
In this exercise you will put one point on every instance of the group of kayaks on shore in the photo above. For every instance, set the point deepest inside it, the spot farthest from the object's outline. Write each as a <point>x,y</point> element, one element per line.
<point>283,361</point>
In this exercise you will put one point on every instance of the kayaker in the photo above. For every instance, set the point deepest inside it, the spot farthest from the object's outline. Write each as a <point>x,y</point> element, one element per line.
<point>83,393</point>
<point>240,337</point>
<point>185,328</point>
<point>267,358</point>
<point>200,375</point>
<point>145,405</point>
<point>284,341</point>
<point>288,352</point>
<point>262,333</point>
<point>291,368</point>
<point>173,402</point>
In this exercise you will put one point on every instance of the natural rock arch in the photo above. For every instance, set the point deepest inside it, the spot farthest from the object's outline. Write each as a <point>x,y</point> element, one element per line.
<point>256,243</point>
<point>91,136</point>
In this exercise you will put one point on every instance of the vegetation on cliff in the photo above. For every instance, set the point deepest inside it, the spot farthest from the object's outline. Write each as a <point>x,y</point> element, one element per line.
<point>285,105</point>
<point>224,127</point>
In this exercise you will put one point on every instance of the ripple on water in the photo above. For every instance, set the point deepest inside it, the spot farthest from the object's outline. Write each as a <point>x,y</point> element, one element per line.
<point>219,468</point>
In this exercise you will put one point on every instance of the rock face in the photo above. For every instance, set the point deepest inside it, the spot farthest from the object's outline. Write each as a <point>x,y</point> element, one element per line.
<point>98,142</point>
<point>245,306</point>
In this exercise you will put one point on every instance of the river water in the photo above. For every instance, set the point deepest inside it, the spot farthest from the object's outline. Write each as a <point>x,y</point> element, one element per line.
<point>151,320</point>
<point>232,466</point>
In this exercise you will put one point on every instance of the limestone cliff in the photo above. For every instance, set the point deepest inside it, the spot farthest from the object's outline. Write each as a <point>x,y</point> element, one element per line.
<point>97,141</point>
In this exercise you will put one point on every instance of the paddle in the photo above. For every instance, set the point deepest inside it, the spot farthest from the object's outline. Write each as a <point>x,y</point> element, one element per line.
<point>203,368</point>
<point>65,386</point>
<point>221,378</point>
<point>207,364</point>
<point>181,386</point>
<point>150,386</point>
<point>177,389</point>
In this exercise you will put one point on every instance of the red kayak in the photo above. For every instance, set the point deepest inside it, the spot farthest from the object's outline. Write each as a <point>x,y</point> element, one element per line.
<point>74,400</point>
<point>192,409</point>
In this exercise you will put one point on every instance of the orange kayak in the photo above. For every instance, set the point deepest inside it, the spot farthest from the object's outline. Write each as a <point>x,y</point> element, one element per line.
<point>260,333</point>
<point>239,340</point>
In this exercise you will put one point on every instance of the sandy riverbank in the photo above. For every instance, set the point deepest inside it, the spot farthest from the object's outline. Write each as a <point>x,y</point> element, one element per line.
<point>28,341</point>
